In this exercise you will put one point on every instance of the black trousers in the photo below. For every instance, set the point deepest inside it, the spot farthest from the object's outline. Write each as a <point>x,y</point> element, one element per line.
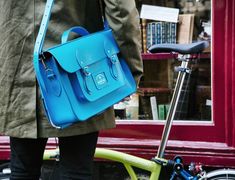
<point>76,157</point>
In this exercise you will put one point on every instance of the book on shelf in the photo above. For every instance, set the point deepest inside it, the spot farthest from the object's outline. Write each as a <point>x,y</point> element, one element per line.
<point>162,111</point>
<point>185,28</point>
<point>153,103</point>
<point>144,35</point>
<point>160,33</point>
<point>173,32</point>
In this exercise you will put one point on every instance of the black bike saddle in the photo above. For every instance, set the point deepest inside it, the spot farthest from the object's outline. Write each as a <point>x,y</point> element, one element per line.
<point>192,48</point>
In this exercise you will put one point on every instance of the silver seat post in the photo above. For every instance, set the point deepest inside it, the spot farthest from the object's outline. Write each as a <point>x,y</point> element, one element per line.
<point>182,70</point>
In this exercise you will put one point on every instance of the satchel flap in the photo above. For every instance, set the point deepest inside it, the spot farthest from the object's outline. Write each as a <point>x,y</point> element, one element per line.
<point>84,51</point>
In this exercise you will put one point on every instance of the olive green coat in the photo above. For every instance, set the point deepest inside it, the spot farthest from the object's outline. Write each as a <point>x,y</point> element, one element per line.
<point>21,112</point>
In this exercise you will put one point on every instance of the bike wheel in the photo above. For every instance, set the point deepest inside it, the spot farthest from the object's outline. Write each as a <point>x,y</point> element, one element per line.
<point>5,171</point>
<point>220,174</point>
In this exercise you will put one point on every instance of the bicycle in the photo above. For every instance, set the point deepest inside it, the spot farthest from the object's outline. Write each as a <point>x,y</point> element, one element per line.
<point>186,53</point>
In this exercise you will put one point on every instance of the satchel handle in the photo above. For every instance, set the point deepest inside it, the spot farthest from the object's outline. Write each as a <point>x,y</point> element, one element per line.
<point>76,29</point>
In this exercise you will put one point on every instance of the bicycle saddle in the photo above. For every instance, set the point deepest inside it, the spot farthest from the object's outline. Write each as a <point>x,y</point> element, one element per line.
<point>191,48</point>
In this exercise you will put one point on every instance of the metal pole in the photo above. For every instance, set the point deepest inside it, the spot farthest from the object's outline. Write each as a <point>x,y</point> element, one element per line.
<point>172,109</point>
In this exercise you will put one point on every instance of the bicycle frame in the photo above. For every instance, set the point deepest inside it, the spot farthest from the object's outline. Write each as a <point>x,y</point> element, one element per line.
<point>129,161</point>
<point>153,166</point>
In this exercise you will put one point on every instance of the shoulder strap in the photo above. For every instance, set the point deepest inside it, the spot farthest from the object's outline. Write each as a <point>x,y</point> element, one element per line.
<point>105,23</point>
<point>101,4</point>
<point>39,42</point>
<point>43,28</point>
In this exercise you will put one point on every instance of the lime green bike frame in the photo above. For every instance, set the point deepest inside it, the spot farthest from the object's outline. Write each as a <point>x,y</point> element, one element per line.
<point>129,161</point>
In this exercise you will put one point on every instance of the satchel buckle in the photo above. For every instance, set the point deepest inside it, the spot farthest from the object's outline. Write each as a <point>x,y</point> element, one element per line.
<point>86,71</point>
<point>42,58</point>
<point>50,74</point>
<point>49,71</point>
<point>113,59</point>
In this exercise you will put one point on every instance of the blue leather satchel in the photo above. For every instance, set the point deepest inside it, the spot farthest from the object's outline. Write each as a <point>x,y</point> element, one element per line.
<point>80,78</point>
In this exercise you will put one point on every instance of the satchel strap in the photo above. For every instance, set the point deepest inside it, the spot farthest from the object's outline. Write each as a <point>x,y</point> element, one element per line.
<point>40,40</point>
<point>43,28</point>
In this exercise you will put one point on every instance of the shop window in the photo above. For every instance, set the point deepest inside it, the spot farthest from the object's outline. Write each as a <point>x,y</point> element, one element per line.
<point>152,99</point>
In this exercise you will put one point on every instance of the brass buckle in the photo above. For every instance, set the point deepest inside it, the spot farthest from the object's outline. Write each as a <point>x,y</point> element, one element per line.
<point>42,58</point>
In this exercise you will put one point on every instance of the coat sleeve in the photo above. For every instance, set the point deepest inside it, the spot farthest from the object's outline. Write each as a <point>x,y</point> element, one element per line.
<point>123,19</point>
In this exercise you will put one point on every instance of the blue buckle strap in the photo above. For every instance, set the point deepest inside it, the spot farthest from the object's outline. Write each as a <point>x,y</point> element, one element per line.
<point>40,39</point>
<point>43,28</point>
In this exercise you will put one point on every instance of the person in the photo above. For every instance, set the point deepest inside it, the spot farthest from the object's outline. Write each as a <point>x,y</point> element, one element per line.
<point>21,111</point>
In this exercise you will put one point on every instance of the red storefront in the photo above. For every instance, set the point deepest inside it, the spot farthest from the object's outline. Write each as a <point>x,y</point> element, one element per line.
<point>210,143</point>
